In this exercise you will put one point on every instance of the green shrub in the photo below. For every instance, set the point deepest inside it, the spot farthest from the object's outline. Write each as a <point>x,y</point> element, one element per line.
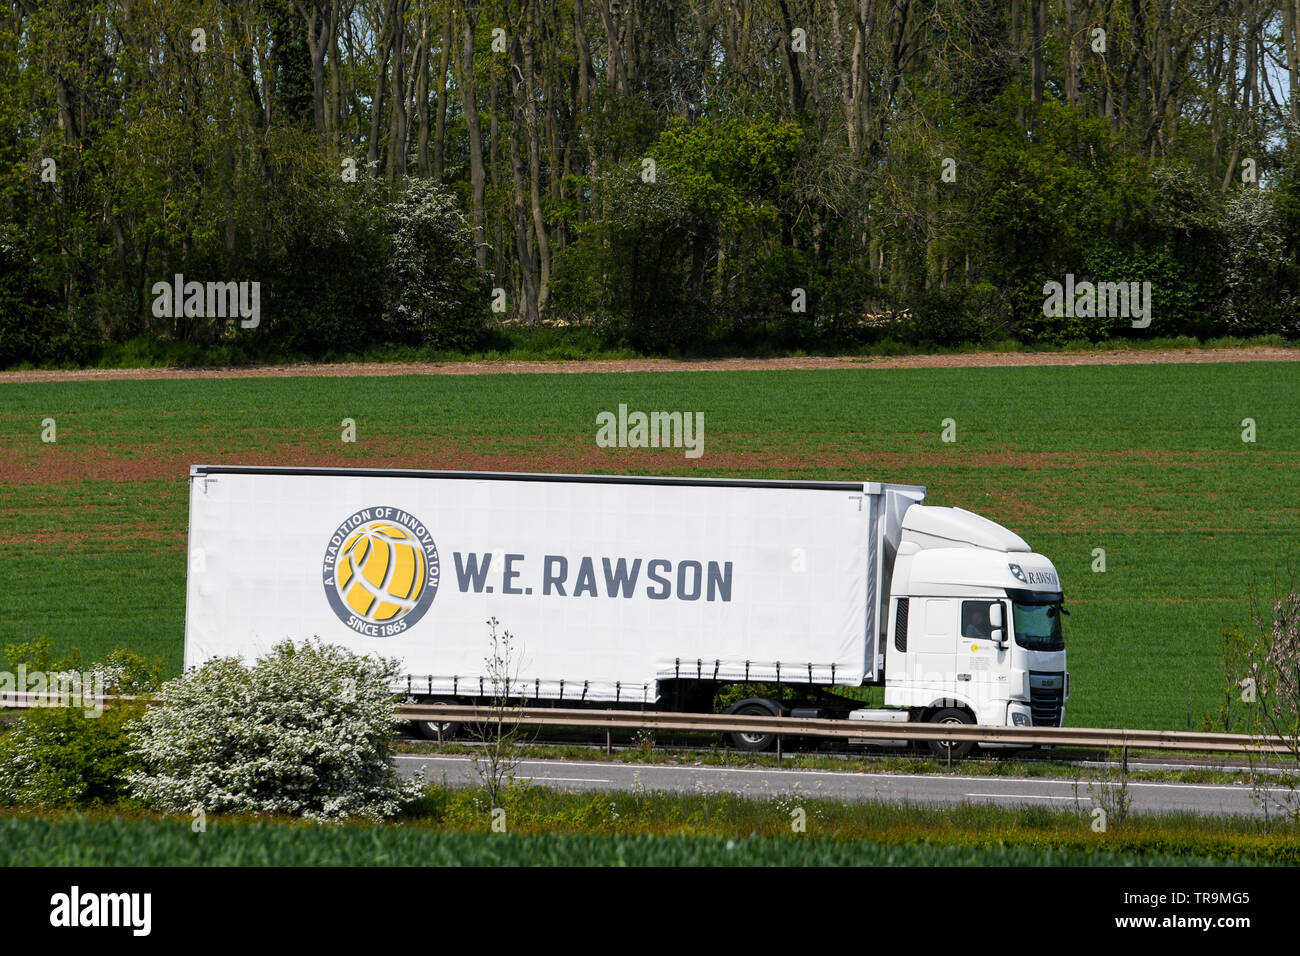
<point>957,315</point>
<point>128,673</point>
<point>63,757</point>
<point>32,329</point>
<point>76,755</point>
<point>38,655</point>
<point>634,272</point>
<point>325,272</point>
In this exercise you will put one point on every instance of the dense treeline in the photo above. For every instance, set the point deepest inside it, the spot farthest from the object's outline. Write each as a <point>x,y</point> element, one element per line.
<point>677,173</point>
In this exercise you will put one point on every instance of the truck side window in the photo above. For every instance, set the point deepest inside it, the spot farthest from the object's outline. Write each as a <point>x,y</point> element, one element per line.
<point>975,619</point>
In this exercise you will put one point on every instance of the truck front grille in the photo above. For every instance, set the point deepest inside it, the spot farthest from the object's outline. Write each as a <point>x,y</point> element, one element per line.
<point>1046,697</point>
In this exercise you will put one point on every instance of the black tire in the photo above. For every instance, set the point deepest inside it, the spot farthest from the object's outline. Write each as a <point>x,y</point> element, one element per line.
<point>753,742</point>
<point>957,749</point>
<point>428,729</point>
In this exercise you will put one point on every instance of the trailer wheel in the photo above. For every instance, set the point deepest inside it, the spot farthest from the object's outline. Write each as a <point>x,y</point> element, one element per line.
<point>957,749</point>
<point>752,742</point>
<point>428,729</point>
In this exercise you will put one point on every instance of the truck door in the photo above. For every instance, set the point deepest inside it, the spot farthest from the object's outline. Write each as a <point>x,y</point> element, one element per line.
<point>980,660</point>
<point>934,652</point>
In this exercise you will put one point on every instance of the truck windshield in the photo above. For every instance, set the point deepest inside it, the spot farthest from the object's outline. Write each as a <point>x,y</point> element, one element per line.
<point>1038,626</point>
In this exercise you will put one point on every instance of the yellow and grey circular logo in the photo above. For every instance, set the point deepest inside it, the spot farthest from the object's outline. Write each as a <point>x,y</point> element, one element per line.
<point>380,571</point>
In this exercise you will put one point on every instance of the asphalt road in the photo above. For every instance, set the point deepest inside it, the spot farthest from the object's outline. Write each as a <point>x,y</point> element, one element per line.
<point>1208,799</point>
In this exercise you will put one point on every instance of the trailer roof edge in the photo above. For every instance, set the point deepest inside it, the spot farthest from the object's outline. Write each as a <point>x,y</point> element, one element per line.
<point>850,486</point>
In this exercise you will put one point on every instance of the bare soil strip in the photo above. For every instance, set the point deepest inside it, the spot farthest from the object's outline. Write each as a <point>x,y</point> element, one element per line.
<point>963,360</point>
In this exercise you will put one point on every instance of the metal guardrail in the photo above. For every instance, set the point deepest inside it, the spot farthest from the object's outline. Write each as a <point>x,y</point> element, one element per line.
<point>785,726</point>
<point>21,700</point>
<point>844,729</point>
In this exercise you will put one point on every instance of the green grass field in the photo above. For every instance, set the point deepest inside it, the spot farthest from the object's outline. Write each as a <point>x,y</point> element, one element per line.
<point>1144,461</point>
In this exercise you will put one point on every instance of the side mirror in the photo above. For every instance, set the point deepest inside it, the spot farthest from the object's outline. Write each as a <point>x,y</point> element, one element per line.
<point>999,637</point>
<point>995,614</point>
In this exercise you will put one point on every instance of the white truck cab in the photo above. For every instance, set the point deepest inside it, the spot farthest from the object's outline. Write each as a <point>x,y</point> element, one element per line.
<point>974,624</point>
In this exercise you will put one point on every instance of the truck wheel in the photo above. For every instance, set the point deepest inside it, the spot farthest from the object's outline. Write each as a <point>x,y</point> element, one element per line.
<point>959,749</point>
<point>428,729</point>
<point>750,741</point>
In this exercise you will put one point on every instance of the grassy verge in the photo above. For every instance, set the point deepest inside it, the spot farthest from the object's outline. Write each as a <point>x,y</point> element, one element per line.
<point>1060,768</point>
<point>546,827</point>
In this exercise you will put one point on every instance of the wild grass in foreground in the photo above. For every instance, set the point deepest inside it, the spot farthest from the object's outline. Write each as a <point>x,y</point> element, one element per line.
<point>546,827</point>
<point>975,826</point>
<point>156,843</point>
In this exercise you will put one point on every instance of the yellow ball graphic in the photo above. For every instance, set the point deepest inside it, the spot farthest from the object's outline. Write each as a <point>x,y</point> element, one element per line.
<point>381,572</point>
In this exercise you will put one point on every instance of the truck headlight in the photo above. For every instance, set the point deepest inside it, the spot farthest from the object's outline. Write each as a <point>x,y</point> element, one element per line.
<point>1020,720</point>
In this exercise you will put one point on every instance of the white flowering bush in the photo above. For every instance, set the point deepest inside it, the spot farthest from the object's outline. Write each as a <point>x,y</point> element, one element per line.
<point>1259,279</point>
<point>306,730</point>
<point>436,295</point>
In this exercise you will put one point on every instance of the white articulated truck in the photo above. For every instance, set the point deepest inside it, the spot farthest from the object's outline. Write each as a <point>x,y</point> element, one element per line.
<point>640,592</point>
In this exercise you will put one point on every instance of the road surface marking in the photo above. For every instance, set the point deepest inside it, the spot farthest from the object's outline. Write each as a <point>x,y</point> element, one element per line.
<point>1017,796</point>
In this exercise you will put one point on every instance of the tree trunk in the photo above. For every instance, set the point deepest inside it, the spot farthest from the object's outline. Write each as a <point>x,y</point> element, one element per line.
<point>422,59</point>
<point>534,162</point>
<point>528,306</point>
<point>468,89</point>
<point>1039,28</point>
<point>440,121</point>
<point>319,39</point>
<point>398,129</point>
<point>377,103</point>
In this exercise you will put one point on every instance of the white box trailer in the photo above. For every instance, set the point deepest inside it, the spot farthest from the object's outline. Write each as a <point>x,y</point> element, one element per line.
<point>619,591</point>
